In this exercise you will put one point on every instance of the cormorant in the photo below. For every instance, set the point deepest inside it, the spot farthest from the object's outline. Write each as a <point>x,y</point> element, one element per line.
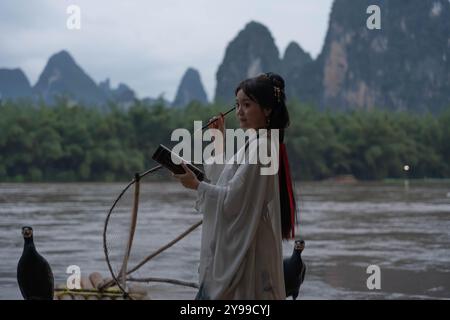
<point>294,270</point>
<point>34,274</point>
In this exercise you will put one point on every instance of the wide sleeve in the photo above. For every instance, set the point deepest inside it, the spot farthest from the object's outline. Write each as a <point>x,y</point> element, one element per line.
<point>212,174</point>
<point>247,182</point>
<point>235,191</point>
<point>240,205</point>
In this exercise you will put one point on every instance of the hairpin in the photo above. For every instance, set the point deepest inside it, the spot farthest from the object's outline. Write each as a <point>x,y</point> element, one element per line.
<point>277,92</point>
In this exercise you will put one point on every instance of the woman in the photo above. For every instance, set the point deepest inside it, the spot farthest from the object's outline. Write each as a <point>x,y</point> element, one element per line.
<point>246,214</point>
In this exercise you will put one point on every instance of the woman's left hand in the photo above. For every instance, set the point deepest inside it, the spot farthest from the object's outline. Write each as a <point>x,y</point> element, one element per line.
<point>188,179</point>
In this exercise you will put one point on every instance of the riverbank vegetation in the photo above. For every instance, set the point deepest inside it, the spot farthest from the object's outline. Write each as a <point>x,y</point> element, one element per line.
<point>67,142</point>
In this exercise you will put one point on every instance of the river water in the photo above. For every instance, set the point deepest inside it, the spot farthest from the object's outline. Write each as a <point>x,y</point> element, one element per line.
<point>402,227</point>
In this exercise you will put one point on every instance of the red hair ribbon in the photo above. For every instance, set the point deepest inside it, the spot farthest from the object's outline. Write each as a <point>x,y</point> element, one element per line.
<point>287,171</point>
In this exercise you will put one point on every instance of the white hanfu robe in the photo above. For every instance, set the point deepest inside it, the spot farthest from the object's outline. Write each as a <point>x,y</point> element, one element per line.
<point>241,248</point>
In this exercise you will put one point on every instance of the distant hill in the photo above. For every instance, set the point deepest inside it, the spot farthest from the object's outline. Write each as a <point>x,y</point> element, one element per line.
<point>123,94</point>
<point>63,77</point>
<point>251,52</point>
<point>403,66</point>
<point>14,84</point>
<point>190,89</point>
<point>297,68</point>
<point>295,57</point>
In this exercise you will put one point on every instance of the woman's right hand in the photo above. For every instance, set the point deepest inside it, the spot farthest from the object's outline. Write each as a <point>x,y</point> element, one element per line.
<point>219,124</point>
<point>218,139</point>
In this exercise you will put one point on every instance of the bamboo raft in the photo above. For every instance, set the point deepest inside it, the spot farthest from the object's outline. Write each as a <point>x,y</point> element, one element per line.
<point>91,290</point>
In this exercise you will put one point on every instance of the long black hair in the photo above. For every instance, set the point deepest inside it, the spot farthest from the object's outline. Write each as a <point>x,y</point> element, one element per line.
<point>268,91</point>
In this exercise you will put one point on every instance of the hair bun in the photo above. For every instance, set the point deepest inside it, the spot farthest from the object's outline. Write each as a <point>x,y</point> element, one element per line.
<point>276,79</point>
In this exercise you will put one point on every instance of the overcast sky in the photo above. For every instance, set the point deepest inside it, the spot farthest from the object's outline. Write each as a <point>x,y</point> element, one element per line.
<point>149,44</point>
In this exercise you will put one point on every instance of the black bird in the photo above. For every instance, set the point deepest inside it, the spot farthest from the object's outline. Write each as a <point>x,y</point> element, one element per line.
<point>34,275</point>
<point>294,270</point>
